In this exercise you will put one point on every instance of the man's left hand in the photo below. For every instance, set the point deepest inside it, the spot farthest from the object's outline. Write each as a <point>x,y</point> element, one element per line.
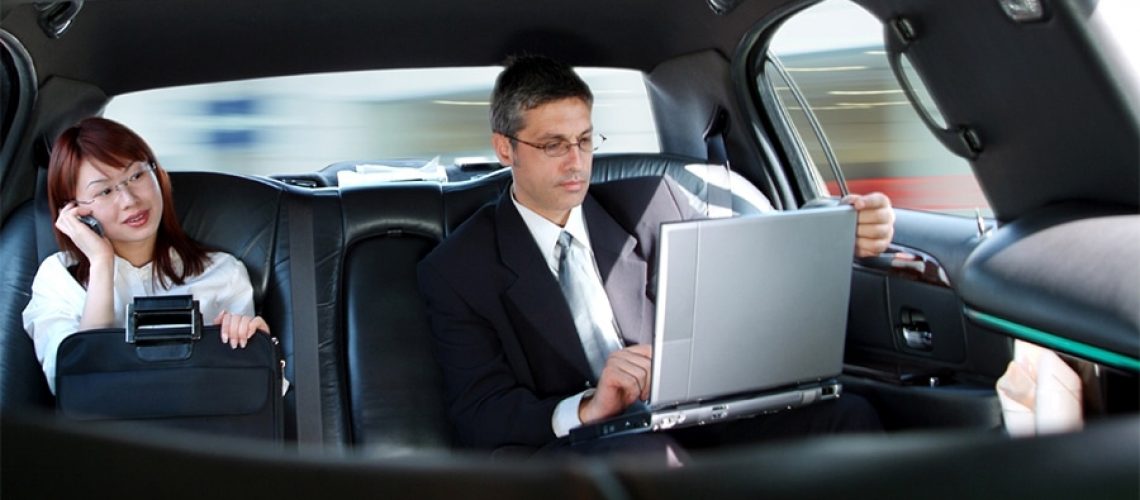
<point>876,223</point>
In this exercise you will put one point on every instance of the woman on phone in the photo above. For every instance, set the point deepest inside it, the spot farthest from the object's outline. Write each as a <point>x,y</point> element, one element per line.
<point>120,239</point>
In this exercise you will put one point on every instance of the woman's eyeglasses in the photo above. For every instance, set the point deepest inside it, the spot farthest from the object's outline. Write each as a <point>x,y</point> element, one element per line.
<point>132,183</point>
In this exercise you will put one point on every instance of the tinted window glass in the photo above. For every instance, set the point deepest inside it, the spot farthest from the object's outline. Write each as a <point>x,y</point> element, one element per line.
<point>303,123</point>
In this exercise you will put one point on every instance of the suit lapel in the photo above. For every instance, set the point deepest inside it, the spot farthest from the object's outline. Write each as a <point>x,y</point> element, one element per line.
<point>535,295</point>
<point>623,272</point>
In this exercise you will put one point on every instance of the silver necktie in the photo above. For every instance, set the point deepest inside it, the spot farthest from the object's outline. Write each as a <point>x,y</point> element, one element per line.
<point>593,317</point>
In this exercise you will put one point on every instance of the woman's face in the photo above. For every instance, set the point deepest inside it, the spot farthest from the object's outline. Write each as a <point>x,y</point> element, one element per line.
<point>125,201</point>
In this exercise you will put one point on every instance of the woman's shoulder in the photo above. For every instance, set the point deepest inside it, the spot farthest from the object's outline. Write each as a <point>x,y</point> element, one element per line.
<point>221,260</point>
<point>56,270</point>
<point>58,261</point>
<point>222,263</point>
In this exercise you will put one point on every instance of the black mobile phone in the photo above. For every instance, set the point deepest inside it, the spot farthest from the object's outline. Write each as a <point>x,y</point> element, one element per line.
<point>92,223</point>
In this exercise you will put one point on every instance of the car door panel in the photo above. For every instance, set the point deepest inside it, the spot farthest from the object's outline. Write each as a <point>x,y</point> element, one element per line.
<point>912,289</point>
<point>911,348</point>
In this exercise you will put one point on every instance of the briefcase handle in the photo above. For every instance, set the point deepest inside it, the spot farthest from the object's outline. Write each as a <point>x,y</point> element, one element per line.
<point>163,319</point>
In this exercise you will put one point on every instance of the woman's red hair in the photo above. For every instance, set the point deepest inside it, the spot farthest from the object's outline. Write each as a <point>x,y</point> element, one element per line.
<point>115,145</point>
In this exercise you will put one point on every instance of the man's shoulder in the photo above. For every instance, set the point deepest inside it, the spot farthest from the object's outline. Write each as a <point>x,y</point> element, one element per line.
<point>474,237</point>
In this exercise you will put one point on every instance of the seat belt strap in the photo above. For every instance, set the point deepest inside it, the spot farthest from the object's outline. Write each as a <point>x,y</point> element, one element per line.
<point>306,355</point>
<point>718,179</point>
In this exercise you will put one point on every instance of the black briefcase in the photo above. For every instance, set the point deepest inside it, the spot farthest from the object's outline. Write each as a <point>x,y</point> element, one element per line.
<point>166,368</point>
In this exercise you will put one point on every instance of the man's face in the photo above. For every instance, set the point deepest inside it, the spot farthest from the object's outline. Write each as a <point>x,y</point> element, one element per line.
<point>550,186</point>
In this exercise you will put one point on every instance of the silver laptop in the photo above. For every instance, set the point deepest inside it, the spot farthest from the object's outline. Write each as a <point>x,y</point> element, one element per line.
<point>751,318</point>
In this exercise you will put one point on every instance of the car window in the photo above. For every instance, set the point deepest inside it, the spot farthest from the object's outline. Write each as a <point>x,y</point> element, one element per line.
<point>832,56</point>
<point>303,123</point>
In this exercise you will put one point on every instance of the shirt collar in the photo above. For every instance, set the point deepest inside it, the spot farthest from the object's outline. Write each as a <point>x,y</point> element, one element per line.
<point>545,233</point>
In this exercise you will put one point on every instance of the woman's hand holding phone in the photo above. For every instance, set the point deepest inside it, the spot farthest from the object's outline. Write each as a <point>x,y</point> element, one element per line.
<point>92,223</point>
<point>80,225</point>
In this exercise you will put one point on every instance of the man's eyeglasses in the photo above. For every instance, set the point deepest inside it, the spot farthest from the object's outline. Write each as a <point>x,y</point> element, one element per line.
<point>107,194</point>
<point>561,148</point>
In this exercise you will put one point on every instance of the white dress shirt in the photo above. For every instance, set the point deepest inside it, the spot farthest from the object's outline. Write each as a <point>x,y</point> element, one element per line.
<point>58,299</point>
<point>546,234</point>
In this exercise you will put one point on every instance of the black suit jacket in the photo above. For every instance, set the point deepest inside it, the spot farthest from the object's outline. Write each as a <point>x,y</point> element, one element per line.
<point>503,334</point>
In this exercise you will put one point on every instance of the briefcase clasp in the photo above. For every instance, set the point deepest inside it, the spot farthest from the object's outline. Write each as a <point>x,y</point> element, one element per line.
<point>163,319</point>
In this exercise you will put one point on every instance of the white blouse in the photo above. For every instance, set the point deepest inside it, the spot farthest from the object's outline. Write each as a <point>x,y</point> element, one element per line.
<point>58,299</point>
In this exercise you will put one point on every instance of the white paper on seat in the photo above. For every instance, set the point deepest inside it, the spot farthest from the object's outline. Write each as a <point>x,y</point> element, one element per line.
<point>370,174</point>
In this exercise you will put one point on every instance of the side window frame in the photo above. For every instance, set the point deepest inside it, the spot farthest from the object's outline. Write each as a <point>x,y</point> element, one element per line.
<point>799,180</point>
<point>18,98</point>
<point>824,154</point>
<point>811,184</point>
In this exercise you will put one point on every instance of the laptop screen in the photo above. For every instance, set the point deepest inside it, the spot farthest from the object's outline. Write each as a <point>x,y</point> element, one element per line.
<point>751,303</point>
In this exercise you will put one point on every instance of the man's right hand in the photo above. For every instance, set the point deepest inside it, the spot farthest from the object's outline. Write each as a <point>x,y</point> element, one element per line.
<point>624,381</point>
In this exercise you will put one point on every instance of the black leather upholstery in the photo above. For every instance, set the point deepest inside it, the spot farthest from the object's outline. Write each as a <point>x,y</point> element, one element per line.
<point>693,174</point>
<point>462,199</point>
<point>378,381</point>
<point>21,381</point>
<point>394,386</point>
<point>328,232</point>
<point>242,216</point>
<point>235,214</point>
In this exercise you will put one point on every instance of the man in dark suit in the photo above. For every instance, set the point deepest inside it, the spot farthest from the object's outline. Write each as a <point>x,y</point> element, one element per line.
<point>518,367</point>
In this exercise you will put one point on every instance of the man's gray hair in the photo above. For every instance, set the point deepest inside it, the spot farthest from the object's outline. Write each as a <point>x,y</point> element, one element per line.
<point>529,81</point>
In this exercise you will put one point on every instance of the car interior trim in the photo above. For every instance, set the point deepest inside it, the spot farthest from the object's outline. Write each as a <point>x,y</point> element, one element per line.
<point>901,260</point>
<point>1052,341</point>
<point>23,79</point>
<point>754,91</point>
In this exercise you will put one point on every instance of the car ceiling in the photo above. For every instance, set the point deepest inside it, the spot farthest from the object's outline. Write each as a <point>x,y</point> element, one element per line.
<point>215,40</point>
<point>1052,125</point>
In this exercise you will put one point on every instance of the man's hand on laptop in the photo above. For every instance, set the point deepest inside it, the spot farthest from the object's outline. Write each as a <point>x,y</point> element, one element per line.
<point>876,223</point>
<point>624,381</point>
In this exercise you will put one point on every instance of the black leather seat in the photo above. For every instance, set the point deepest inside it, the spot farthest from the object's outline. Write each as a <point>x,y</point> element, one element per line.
<point>394,390</point>
<point>22,382</point>
<point>376,378</point>
<point>393,385</point>
<point>706,184</point>
<point>379,387</point>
